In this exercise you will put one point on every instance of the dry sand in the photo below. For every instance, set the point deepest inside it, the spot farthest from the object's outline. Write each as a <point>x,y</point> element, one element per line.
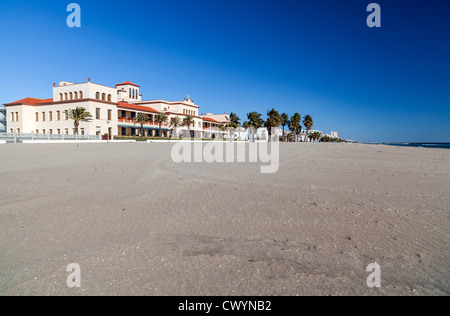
<point>137,223</point>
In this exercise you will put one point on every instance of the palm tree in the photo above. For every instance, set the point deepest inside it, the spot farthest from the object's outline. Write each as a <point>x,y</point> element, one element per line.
<point>273,120</point>
<point>294,125</point>
<point>188,121</point>
<point>308,122</point>
<point>174,123</point>
<point>160,119</point>
<point>284,122</point>
<point>234,121</point>
<point>316,136</point>
<point>141,119</point>
<point>79,115</point>
<point>254,121</point>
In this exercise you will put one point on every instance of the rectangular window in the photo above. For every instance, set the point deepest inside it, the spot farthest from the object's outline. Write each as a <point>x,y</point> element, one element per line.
<point>43,117</point>
<point>43,131</point>
<point>37,131</point>
<point>66,113</point>
<point>97,113</point>
<point>66,131</point>
<point>17,116</point>
<point>82,131</point>
<point>58,115</point>
<point>12,131</point>
<point>50,116</point>
<point>12,116</point>
<point>59,131</point>
<point>109,115</point>
<point>37,117</point>
<point>50,131</point>
<point>18,131</point>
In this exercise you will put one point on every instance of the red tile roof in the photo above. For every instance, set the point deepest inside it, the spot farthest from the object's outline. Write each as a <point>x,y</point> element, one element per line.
<point>127,83</point>
<point>210,120</point>
<point>30,101</point>
<point>46,101</point>
<point>136,107</point>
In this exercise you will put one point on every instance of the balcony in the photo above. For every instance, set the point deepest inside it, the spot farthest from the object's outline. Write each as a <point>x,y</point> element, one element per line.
<point>133,122</point>
<point>211,129</point>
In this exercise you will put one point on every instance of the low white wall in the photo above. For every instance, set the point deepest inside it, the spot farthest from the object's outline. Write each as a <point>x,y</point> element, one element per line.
<point>75,141</point>
<point>2,142</point>
<point>180,141</point>
<point>197,141</point>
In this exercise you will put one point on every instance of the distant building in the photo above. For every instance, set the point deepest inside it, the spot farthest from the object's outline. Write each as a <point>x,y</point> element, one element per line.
<point>334,135</point>
<point>261,134</point>
<point>2,120</point>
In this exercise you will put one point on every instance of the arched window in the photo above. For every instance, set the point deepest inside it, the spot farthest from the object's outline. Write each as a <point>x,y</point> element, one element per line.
<point>104,97</point>
<point>70,95</point>
<point>61,97</point>
<point>65,96</point>
<point>81,94</point>
<point>109,97</point>
<point>97,95</point>
<point>75,94</point>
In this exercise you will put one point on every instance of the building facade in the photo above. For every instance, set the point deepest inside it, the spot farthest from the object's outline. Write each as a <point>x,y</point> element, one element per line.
<point>2,119</point>
<point>113,109</point>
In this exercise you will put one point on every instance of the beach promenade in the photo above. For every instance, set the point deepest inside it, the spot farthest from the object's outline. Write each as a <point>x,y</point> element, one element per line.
<point>139,224</point>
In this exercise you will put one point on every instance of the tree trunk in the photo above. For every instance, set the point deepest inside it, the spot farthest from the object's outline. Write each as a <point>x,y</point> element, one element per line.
<point>75,130</point>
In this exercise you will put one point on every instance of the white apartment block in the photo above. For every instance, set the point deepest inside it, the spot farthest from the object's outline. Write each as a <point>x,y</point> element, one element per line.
<point>113,110</point>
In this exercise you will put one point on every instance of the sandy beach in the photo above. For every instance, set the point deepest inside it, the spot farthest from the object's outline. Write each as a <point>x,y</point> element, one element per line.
<point>139,224</point>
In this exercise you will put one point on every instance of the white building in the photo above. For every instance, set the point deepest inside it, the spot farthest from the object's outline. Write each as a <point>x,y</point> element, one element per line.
<point>113,110</point>
<point>261,134</point>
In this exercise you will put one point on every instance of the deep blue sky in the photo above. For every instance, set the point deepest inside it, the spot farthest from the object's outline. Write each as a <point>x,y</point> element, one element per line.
<point>312,57</point>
